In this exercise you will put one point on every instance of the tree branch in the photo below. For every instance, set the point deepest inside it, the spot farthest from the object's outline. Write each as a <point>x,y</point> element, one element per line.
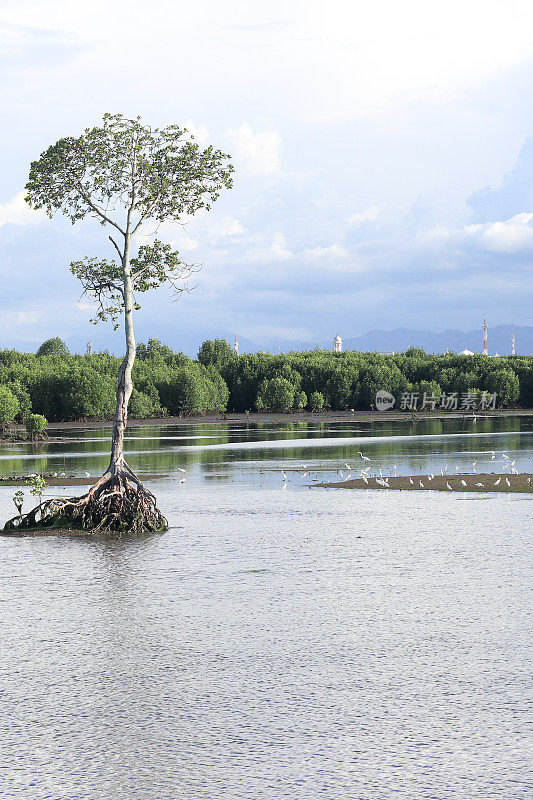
<point>116,247</point>
<point>98,210</point>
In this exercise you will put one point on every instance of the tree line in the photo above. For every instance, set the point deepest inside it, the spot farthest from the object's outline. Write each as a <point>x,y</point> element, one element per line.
<point>62,386</point>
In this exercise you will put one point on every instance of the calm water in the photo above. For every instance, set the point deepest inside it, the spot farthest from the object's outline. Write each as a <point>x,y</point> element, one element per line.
<point>279,641</point>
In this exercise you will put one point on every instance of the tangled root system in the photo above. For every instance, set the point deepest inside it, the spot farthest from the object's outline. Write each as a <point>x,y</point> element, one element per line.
<point>117,503</point>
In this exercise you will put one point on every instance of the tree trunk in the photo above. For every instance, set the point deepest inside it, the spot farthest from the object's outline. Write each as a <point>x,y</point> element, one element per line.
<point>125,384</point>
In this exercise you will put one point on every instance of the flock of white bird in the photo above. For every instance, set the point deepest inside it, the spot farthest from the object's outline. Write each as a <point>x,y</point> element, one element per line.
<point>383,481</point>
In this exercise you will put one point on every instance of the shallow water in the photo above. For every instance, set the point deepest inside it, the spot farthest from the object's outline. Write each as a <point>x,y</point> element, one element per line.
<point>279,641</point>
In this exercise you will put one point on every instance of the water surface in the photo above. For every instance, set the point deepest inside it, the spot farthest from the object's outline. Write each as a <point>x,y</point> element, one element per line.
<point>279,641</point>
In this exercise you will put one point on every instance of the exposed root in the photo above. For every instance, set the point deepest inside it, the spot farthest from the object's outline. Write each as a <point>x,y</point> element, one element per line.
<point>117,503</point>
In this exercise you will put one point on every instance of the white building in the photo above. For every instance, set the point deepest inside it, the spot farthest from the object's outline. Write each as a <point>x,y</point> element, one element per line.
<point>337,344</point>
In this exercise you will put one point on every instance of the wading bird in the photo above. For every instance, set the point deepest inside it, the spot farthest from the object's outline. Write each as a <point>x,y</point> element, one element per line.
<point>448,486</point>
<point>497,482</point>
<point>463,482</point>
<point>365,458</point>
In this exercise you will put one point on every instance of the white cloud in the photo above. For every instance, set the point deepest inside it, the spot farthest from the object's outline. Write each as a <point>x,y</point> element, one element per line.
<point>334,251</point>
<point>504,236</point>
<point>200,132</point>
<point>17,212</point>
<point>227,226</point>
<point>257,153</point>
<point>277,250</point>
<point>510,236</point>
<point>370,215</point>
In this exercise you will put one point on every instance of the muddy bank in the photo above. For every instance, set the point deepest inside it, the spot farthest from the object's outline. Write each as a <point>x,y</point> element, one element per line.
<point>482,482</point>
<point>58,480</point>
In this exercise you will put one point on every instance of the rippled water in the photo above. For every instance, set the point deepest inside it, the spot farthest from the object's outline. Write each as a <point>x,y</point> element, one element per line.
<point>279,641</point>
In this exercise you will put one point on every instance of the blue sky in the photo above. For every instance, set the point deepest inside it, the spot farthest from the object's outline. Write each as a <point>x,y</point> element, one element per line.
<point>383,153</point>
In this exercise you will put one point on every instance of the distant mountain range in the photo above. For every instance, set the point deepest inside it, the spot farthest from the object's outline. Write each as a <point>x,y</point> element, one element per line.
<point>402,338</point>
<point>376,340</point>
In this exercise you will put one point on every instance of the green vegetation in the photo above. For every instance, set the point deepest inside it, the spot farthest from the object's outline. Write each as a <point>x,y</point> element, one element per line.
<point>35,425</point>
<point>53,347</point>
<point>9,407</point>
<point>73,387</point>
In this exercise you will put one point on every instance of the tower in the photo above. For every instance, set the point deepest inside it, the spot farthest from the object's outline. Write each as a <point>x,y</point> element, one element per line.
<point>513,351</point>
<point>236,346</point>
<point>485,338</point>
<point>337,344</point>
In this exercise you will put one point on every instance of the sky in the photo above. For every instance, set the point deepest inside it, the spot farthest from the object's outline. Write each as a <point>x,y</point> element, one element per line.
<point>383,155</point>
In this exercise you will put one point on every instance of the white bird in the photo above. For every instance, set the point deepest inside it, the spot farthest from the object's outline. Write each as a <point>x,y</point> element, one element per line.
<point>492,455</point>
<point>529,480</point>
<point>457,468</point>
<point>180,469</point>
<point>432,476</point>
<point>463,482</point>
<point>507,481</point>
<point>305,475</point>
<point>364,477</point>
<point>348,466</point>
<point>305,466</point>
<point>514,470</point>
<point>497,482</point>
<point>341,473</point>
<point>421,485</point>
<point>54,474</point>
<point>442,472</point>
<point>474,465</point>
<point>504,455</point>
<point>365,458</point>
<point>448,486</point>
<point>87,474</point>
<point>411,481</point>
<point>395,471</point>
<point>284,476</point>
<point>479,484</point>
<point>62,474</point>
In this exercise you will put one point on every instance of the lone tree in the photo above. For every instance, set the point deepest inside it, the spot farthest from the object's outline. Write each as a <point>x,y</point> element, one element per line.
<point>125,175</point>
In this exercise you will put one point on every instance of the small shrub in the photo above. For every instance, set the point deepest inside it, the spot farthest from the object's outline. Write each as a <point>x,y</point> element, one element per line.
<point>35,425</point>
<point>9,407</point>
<point>316,401</point>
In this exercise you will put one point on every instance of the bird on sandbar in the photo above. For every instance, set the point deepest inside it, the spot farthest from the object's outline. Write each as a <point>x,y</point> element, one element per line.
<point>448,486</point>
<point>507,481</point>
<point>365,458</point>
<point>497,482</point>
<point>463,482</point>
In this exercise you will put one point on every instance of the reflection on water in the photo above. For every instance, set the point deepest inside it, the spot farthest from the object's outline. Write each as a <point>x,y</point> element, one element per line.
<point>275,643</point>
<point>253,453</point>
